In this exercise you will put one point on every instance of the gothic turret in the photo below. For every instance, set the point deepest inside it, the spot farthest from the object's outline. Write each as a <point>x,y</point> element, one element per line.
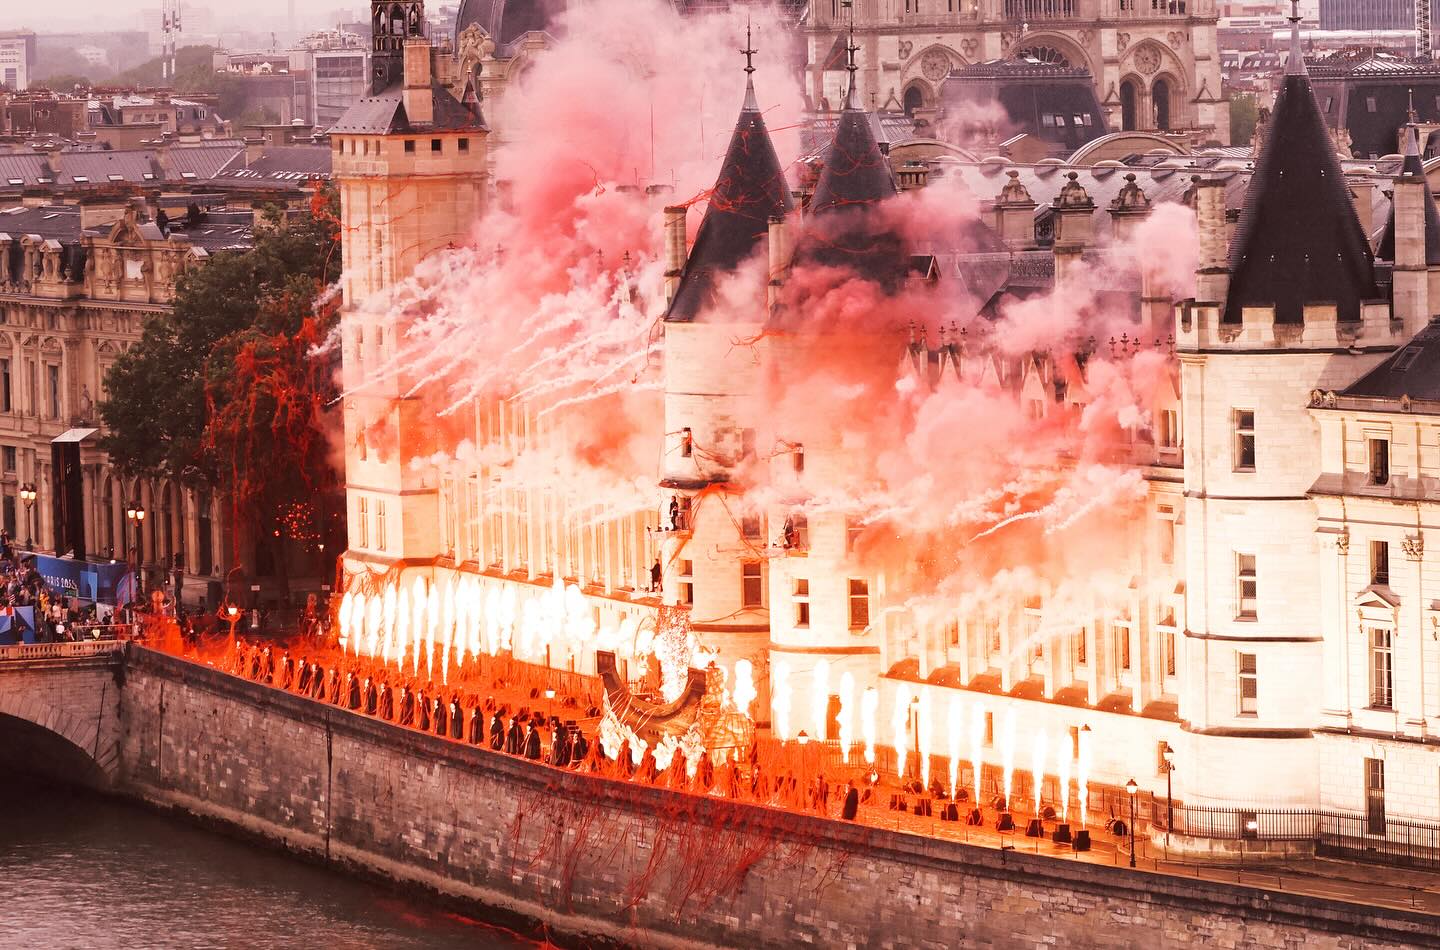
<point>856,173</point>
<point>1299,240</point>
<point>392,23</point>
<point>749,191</point>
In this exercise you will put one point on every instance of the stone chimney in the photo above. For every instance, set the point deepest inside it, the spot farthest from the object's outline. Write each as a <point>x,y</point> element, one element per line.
<point>1212,283</point>
<point>780,253</point>
<point>419,101</point>
<point>1015,214</point>
<point>1411,279</point>
<point>1074,211</point>
<point>1130,207</point>
<point>674,249</point>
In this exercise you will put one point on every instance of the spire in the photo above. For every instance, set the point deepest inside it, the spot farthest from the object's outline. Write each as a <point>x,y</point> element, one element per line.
<point>1299,240</point>
<point>1296,65</point>
<point>1411,115</point>
<point>750,104</point>
<point>749,191</point>
<point>851,93</point>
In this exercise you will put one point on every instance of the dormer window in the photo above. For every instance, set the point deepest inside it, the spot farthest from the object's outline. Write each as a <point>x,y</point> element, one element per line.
<point>1379,453</point>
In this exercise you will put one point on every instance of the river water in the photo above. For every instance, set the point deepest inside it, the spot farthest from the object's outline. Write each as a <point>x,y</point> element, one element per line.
<point>82,871</point>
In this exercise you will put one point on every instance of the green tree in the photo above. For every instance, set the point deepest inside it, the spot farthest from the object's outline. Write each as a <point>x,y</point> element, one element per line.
<point>1244,112</point>
<point>225,389</point>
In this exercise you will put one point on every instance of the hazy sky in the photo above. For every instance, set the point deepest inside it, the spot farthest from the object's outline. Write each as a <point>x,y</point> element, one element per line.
<point>100,14</point>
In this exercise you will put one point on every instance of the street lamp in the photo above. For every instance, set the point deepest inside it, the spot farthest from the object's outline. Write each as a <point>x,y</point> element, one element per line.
<point>27,495</point>
<point>1168,754</point>
<point>1132,788</point>
<point>135,513</point>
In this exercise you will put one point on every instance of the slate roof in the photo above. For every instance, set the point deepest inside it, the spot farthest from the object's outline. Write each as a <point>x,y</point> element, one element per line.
<point>384,114</point>
<point>134,167</point>
<point>1299,240</point>
<point>1347,81</point>
<point>1411,166</point>
<point>855,173</point>
<point>749,190</point>
<point>1413,370</point>
<point>1029,91</point>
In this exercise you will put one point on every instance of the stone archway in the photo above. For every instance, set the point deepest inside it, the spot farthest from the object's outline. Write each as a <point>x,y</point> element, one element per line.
<point>914,98</point>
<point>1054,49</point>
<point>1129,104</point>
<point>61,712</point>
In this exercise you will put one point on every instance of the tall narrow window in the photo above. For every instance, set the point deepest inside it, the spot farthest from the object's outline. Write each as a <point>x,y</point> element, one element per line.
<point>853,528</point>
<point>802,602</point>
<point>1246,587</point>
<point>1166,530</point>
<point>859,604</point>
<point>797,459</point>
<point>52,389</point>
<point>747,443</point>
<point>1244,440</point>
<point>1380,562</point>
<point>1379,461</point>
<point>363,522</point>
<point>752,583</point>
<point>687,583</point>
<point>1169,654</point>
<point>751,528</point>
<point>1249,684</point>
<point>1121,634</point>
<point>1081,650</point>
<point>687,443</point>
<point>380,523</point>
<point>1375,796</point>
<point>5,390</point>
<point>1382,669</point>
<point>1169,429</point>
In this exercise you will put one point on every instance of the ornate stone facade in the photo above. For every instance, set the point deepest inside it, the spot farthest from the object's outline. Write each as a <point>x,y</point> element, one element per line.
<point>1155,64</point>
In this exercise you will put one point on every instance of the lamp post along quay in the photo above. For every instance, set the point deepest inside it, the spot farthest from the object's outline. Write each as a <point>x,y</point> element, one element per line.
<point>135,514</point>
<point>1131,788</point>
<point>27,495</point>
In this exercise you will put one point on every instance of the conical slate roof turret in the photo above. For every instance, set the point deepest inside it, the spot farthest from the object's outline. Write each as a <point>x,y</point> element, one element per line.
<point>855,173</point>
<point>749,191</point>
<point>1299,240</point>
<point>1412,167</point>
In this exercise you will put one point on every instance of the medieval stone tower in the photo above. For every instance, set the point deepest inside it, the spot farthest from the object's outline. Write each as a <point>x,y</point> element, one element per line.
<point>410,161</point>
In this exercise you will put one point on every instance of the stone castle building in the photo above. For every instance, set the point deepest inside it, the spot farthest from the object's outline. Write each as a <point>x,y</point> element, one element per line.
<point>1278,646</point>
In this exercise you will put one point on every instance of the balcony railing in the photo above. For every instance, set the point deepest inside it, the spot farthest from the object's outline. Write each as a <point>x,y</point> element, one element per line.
<point>1359,837</point>
<point>1145,9</point>
<point>1029,10</point>
<point>51,651</point>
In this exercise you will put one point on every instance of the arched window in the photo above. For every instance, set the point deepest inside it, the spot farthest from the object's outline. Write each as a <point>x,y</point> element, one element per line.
<point>1048,55</point>
<point>1160,95</point>
<point>1128,98</point>
<point>914,99</point>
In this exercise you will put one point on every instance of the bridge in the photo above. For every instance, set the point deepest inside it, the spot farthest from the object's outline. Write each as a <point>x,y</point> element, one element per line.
<point>60,710</point>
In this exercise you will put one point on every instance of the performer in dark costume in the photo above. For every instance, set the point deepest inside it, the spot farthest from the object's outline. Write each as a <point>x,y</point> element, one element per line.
<point>302,682</point>
<point>372,697</point>
<point>386,705</point>
<point>579,746</point>
<point>852,802</point>
<point>497,730</point>
<point>422,711</point>
<point>477,726</point>
<point>407,706</point>
<point>515,737</point>
<point>439,717</point>
<point>532,742</point>
<point>457,719</point>
<point>352,691</point>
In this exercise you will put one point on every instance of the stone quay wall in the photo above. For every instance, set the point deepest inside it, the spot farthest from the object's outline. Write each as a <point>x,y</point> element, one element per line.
<point>594,858</point>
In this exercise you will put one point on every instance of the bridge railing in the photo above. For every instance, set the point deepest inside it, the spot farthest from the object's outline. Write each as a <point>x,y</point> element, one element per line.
<point>49,651</point>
